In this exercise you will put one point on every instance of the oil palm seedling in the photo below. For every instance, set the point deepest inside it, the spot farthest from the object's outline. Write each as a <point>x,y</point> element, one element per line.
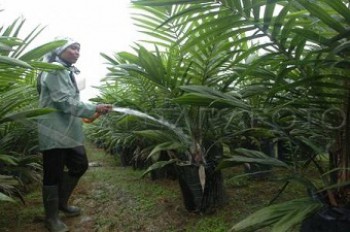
<point>19,162</point>
<point>191,140</point>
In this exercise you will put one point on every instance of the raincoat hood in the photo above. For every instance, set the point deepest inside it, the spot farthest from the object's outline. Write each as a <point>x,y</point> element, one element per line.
<point>50,57</point>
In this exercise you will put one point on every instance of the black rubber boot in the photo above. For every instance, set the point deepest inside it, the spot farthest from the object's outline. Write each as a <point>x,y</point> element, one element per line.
<point>50,200</point>
<point>65,190</point>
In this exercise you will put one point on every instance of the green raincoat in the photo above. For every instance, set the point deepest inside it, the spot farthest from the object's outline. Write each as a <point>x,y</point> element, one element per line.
<point>63,128</point>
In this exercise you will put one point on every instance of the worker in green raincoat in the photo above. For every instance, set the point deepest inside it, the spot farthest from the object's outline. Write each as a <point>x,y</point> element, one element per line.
<point>61,138</point>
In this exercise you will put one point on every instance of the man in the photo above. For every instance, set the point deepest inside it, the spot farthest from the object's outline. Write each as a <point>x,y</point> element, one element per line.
<point>61,138</point>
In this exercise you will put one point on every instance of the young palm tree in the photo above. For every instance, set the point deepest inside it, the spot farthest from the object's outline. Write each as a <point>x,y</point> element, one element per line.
<point>193,138</point>
<point>19,162</point>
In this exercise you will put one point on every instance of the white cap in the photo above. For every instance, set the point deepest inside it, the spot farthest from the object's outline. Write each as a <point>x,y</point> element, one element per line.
<point>53,54</point>
<point>69,42</point>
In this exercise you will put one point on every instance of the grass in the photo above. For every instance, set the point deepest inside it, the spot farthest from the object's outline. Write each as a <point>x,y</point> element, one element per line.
<point>117,199</point>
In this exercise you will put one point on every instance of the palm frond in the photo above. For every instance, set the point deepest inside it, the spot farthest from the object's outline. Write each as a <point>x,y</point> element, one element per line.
<point>282,216</point>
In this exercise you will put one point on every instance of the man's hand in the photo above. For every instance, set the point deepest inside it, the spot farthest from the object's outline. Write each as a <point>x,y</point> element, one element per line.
<point>100,109</point>
<point>92,119</point>
<point>103,108</point>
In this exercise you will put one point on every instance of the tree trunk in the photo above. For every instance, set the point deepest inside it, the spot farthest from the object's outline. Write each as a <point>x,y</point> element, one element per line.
<point>345,143</point>
<point>327,220</point>
<point>198,198</point>
<point>340,154</point>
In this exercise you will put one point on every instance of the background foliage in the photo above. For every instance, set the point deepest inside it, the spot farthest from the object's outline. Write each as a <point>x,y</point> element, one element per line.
<point>267,80</point>
<point>19,160</point>
<point>253,82</point>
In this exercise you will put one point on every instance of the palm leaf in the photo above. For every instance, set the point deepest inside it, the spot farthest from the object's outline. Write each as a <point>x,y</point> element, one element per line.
<point>164,147</point>
<point>204,96</point>
<point>339,7</point>
<point>250,156</point>
<point>268,15</point>
<point>7,159</point>
<point>39,52</point>
<point>279,21</point>
<point>27,41</point>
<point>14,62</point>
<point>165,2</point>
<point>311,35</point>
<point>158,165</point>
<point>18,116</point>
<point>4,197</point>
<point>283,215</point>
<point>322,14</point>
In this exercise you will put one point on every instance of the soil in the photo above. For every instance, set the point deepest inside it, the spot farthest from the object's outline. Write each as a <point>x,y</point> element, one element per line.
<point>105,208</point>
<point>113,198</point>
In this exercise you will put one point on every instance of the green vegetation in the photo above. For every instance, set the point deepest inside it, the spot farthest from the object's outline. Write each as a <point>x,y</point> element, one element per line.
<point>224,98</point>
<point>257,83</point>
<point>19,163</point>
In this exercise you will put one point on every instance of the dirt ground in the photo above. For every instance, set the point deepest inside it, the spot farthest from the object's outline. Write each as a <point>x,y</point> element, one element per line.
<point>117,199</point>
<point>113,198</point>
